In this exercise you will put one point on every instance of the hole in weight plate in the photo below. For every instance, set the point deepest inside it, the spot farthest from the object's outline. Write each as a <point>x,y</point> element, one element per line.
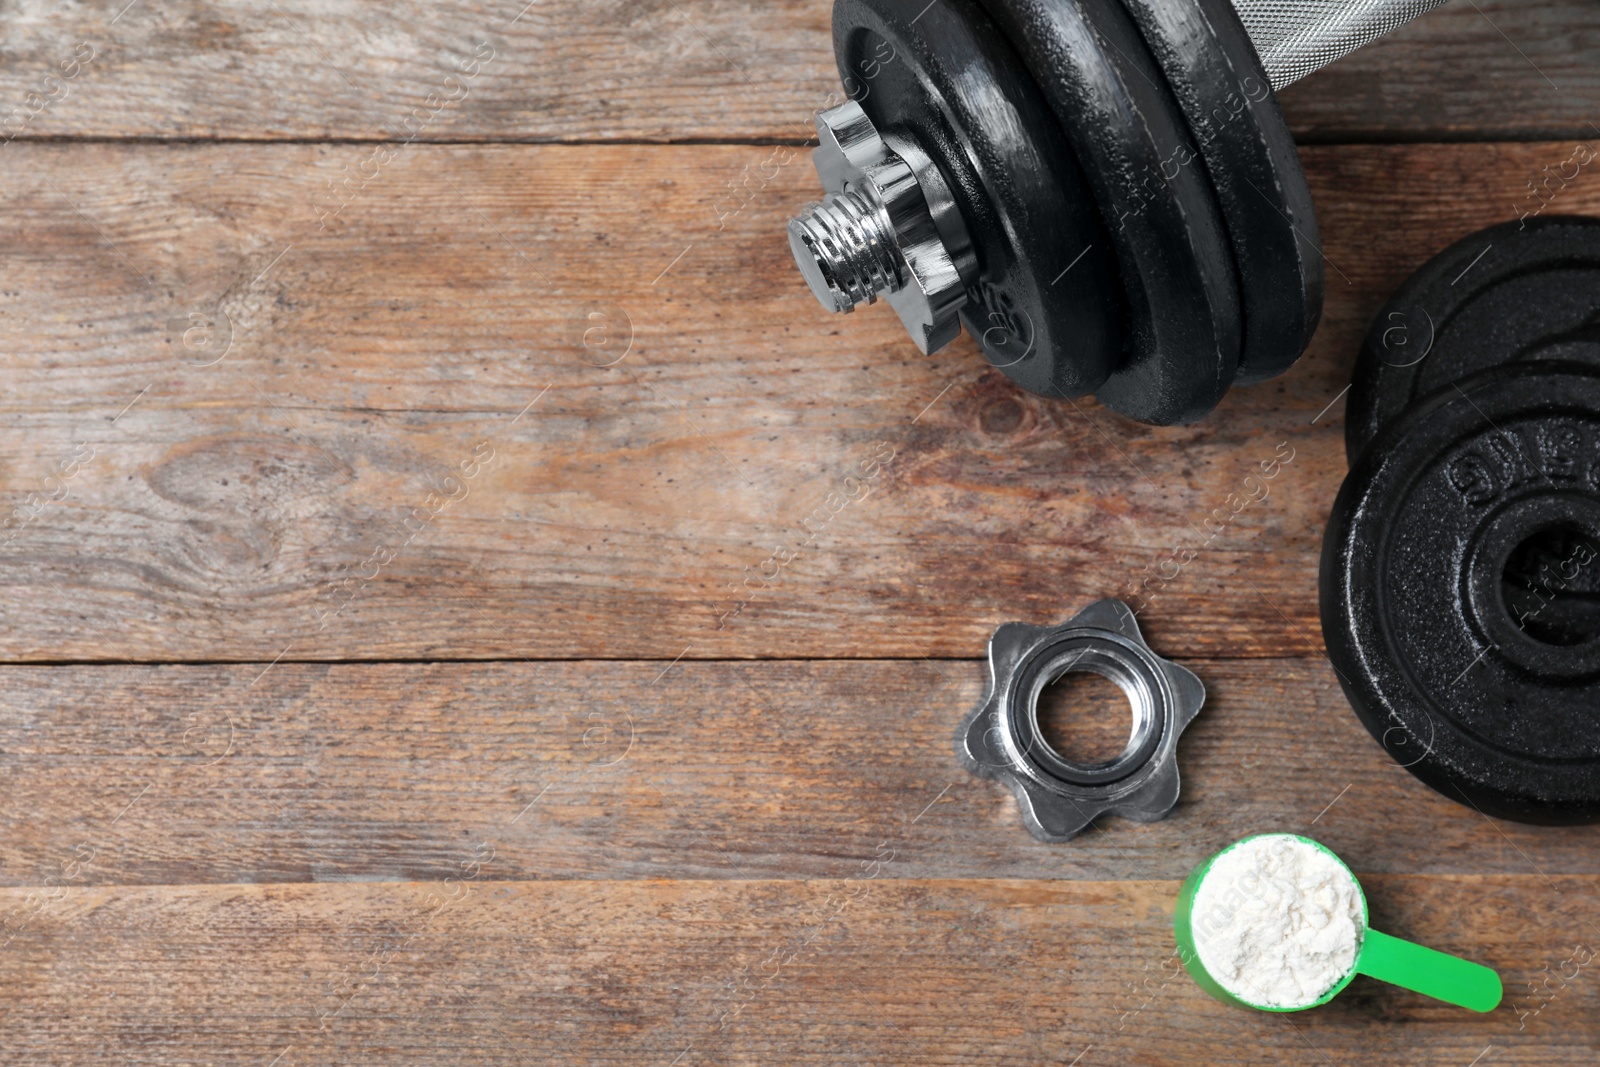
<point>1550,585</point>
<point>1086,718</point>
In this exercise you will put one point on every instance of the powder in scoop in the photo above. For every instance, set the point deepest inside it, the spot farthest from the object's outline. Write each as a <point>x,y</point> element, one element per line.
<point>1277,921</point>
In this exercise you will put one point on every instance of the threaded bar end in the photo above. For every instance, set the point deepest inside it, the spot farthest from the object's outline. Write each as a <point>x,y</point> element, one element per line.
<point>845,248</point>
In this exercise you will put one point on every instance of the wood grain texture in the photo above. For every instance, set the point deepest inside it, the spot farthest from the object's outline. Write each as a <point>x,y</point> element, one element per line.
<point>359,772</point>
<point>1467,70</point>
<point>229,432</point>
<point>663,70</point>
<point>831,972</point>
<point>565,408</point>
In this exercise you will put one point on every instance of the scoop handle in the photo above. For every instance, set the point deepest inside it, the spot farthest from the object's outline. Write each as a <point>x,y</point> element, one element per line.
<point>1429,972</point>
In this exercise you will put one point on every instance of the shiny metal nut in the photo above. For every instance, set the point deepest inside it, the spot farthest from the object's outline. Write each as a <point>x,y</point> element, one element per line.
<point>1059,797</point>
<point>875,231</point>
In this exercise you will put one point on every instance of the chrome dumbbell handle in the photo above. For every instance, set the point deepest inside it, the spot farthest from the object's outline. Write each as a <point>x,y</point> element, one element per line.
<point>1296,37</point>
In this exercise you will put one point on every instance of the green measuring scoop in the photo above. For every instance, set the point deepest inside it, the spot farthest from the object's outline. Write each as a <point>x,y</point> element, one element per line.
<point>1388,959</point>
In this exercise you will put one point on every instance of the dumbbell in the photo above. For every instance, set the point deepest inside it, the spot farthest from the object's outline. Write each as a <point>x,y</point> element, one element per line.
<point>1103,191</point>
<point>1461,565</point>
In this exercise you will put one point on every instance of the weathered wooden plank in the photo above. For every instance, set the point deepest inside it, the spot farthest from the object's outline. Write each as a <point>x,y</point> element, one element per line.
<point>695,69</point>
<point>1479,71</point>
<point>752,479</point>
<point>858,970</point>
<point>626,770</point>
<point>460,70</point>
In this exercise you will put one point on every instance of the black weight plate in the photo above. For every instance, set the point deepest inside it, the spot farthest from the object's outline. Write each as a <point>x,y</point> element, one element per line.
<point>1171,246</point>
<point>944,76</point>
<point>1495,296</point>
<point>1445,547</point>
<point>1245,147</point>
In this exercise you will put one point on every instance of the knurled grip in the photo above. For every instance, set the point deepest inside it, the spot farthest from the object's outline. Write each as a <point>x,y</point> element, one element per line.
<point>1296,37</point>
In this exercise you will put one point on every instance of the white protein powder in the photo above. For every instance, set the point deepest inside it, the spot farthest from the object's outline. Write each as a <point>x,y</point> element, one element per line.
<point>1277,921</point>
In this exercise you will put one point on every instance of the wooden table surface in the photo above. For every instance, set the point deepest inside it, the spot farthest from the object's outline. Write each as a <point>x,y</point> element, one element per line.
<point>404,408</point>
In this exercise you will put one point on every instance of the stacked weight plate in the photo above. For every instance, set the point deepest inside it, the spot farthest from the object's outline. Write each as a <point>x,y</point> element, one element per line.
<point>1140,217</point>
<point>1461,564</point>
<point>1523,290</point>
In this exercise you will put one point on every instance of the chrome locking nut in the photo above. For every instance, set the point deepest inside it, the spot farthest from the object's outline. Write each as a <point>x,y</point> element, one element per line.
<point>1059,797</point>
<point>882,229</point>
